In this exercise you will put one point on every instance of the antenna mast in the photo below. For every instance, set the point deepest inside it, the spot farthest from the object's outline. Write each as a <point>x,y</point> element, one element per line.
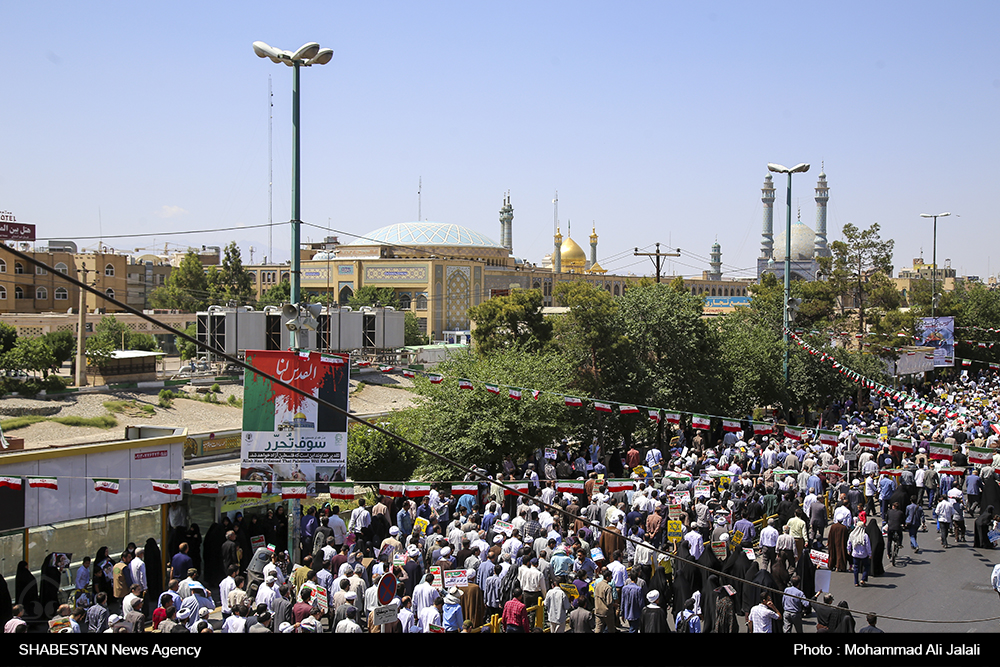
<point>270,179</point>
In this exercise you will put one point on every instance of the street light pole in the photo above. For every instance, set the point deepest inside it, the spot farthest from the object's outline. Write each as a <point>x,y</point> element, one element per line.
<point>307,54</point>
<point>780,169</point>
<point>934,260</point>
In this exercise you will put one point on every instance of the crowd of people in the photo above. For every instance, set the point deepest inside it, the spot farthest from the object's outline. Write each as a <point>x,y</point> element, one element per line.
<point>715,532</point>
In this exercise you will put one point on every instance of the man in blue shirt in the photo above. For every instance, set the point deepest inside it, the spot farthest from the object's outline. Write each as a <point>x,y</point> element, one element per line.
<point>633,600</point>
<point>403,520</point>
<point>973,489</point>
<point>795,604</point>
<point>886,486</point>
<point>452,613</point>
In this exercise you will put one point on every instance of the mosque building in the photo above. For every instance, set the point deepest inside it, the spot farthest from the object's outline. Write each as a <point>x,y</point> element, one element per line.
<point>807,245</point>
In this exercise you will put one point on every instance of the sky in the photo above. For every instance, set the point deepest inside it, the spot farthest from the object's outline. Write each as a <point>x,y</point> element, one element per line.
<point>654,122</point>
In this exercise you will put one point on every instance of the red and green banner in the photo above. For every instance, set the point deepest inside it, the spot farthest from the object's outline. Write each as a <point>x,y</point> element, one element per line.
<point>981,455</point>
<point>570,486</point>
<point>700,421</point>
<point>287,436</point>
<point>204,488</point>
<point>248,489</point>
<point>940,451</point>
<point>573,401</point>
<point>464,384</point>
<point>342,490</point>
<point>10,483</point>
<point>464,489</point>
<point>39,482</point>
<point>171,487</point>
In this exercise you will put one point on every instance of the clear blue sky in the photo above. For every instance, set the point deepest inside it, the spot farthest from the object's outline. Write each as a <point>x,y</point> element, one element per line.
<point>653,119</point>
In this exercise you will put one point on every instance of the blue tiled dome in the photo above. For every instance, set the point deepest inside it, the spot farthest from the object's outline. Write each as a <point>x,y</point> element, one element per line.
<point>427,234</point>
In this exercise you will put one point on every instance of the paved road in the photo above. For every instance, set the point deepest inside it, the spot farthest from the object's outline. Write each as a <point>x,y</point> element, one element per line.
<point>937,584</point>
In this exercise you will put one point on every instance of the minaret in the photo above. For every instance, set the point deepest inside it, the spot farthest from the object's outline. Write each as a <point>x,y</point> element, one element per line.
<point>506,224</point>
<point>716,263</point>
<point>767,197</point>
<point>557,253</point>
<point>822,197</point>
<point>593,246</point>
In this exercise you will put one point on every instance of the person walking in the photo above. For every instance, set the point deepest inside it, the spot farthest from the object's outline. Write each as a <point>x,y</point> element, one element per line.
<point>860,548</point>
<point>944,511</point>
<point>914,520</point>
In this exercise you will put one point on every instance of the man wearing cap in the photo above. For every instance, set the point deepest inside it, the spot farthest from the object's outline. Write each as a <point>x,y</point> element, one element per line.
<point>349,623</point>
<point>267,591</point>
<point>452,617</point>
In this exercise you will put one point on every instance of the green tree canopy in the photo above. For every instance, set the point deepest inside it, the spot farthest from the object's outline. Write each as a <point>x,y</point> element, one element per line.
<point>375,457</point>
<point>412,335</point>
<point>369,295</point>
<point>230,282</point>
<point>186,288</point>
<point>510,321</point>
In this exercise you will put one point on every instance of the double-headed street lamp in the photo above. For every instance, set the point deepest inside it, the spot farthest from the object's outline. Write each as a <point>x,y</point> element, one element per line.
<point>781,169</point>
<point>934,259</point>
<point>306,55</point>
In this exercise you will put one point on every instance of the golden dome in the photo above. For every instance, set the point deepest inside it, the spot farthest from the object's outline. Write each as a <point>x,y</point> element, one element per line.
<point>572,255</point>
<point>596,268</point>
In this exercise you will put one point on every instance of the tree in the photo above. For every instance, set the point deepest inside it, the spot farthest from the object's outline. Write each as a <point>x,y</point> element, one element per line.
<point>412,335</point>
<point>862,264</point>
<point>186,288</point>
<point>111,334</point>
<point>375,457</point>
<point>511,321</point>
<point>230,282</point>
<point>186,348</point>
<point>750,356</point>
<point>369,295</point>
<point>8,336</point>
<point>676,347</point>
<point>276,295</point>
<point>62,344</point>
<point>29,355</point>
<point>479,428</point>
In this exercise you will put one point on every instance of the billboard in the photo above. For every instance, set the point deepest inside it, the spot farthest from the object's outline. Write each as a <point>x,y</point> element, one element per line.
<point>938,333</point>
<point>287,436</point>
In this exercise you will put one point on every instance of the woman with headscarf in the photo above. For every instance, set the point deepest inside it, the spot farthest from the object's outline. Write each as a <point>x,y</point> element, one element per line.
<point>212,555</point>
<point>661,581</point>
<point>102,566</point>
<point>709,599</point>
<point>878,547</point>
<point>51,578</point>
<point>807,576</point>
<point>687,577</point>
<point>26,594</point>
<point>749,594</point>
<point>725,612</point>
<point>244,541</point>
<point>194,541</point>
<point>734,569</point>
<point>6,605</point>
<point>989,488</point>
<point>844,622</point>
<point>765,583</point>
<point>153,560</point>
<point>982,527</point>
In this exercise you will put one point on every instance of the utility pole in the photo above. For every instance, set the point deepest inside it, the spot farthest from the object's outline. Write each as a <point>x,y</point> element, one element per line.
<point>657,258</point>
<point>81,361</point>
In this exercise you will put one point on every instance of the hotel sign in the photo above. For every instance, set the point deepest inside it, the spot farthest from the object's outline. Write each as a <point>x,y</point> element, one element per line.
<point>12,230</point>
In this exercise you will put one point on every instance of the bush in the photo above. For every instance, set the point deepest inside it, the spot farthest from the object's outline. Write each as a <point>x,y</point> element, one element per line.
<point>148,409</point>
<point>106,421</point>
<point>235,402</point>
<point>166,398</point>
<point>116,406</point>
<point>216,389</point>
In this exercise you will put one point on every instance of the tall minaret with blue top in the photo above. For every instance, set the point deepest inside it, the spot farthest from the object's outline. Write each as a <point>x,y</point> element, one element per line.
<point>822,197</point>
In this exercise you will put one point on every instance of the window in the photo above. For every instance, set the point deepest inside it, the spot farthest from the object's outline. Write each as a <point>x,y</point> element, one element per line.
<point>18,292</point>
<point>405,301</point>
<point>616,290</point>
<point>18,267</point>
<point>61,268</point>
<point>421,301</point>
<point>109,270</point>
<point>110,293</point>
<point>41,293</point>
<point>62,294</point>
<point>3,293</point>
<point>3,266</point>
<point>39,271</point>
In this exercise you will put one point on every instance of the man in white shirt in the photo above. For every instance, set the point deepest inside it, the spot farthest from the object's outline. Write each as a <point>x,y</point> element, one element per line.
<point>272,569</point>
<point>338,527</point>
<point>557,607</point>
<point>768,543</point>
<point>267,592</point>
<point>431,615</point>
<point>139,569</point>
<point>361,518</point>
<point>424,595</point>
<point>227,586</point>
<point>761,616</point>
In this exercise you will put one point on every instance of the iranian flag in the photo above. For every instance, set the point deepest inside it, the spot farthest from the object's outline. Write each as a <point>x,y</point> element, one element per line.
<point>464,384</point>
<point>966,362</point>
<point>342,490</point>
<point>762,428</point>
<point>901,445</point>
<point>628,409</point>
<point>492,388</point>
<point>171,487</point>
<point>569,486</point>
<point>106,485</point>
<point>464,489</point>
<point>828,437</point>
<point>332,360</point>
<point>435,379</point>
<point>700,421</point>
<point>982,455</point>
<point>654,415</point>
<point>417,489</point>
<point>672,417</point>
<point>572,401</point>
<point>386,369</point>
<point>618,485</point>
<point>201,487</point>
<point>940,451</point>
<point>730,426</point>
<point>303,354</point>
<point>869,441</point>
<point>518,486</point>
<point>408,373</point>
<point>37,482</point>
<point>249,489</point>
<point>995,428</point>
<point>391,490</point>
<point>602,407</point>
<point>291,490</point>
<point>535,394</point>
<point>514,393</point>
<point>793,432</point>
<point>364,364</point>
<point>10,483</point>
